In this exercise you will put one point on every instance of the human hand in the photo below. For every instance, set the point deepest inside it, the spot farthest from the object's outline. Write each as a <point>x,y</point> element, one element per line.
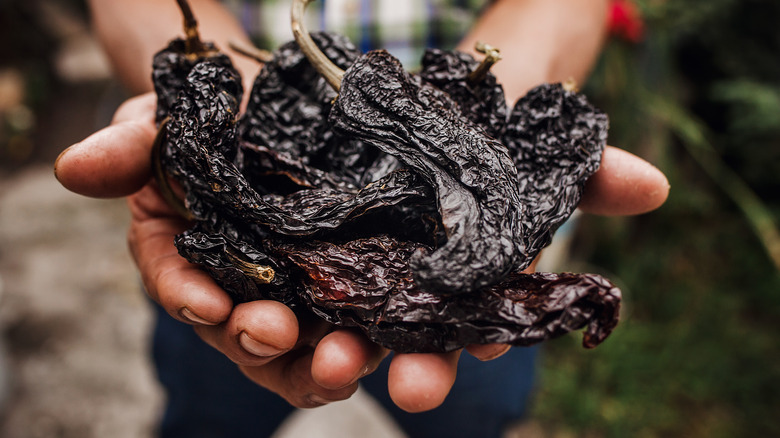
<point>264,338</point>
<point>306,362</point>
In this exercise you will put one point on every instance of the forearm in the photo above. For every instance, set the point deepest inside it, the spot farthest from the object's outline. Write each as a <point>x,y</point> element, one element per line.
<point>132,31</point>
<point>541,40</point>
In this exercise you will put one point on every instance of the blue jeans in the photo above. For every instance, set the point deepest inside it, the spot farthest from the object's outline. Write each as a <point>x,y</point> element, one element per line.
<point>209,397</point>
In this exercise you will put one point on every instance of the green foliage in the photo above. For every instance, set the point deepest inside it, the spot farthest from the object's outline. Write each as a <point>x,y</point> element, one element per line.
<point>696,352</point>
<point>754,108</point>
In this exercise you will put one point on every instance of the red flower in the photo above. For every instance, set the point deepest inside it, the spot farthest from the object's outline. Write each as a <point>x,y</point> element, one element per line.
<point>624,21</point>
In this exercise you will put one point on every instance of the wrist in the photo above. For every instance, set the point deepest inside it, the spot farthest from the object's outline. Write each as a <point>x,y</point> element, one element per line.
<point>541,41</point>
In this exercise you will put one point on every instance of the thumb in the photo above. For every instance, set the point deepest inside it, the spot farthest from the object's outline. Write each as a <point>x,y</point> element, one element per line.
<point>114,161</point>
<point>624,185</point>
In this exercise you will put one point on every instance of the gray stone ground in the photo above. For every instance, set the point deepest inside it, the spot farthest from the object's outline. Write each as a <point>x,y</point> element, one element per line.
<point>74,322</point>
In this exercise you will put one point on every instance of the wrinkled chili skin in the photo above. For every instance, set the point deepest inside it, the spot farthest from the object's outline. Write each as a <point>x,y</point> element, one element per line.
<point>556,139</point>
<point>288,114</point>
<point>474,178</point>
<point>204,119</point>
<point>367,283</point>
<point>346,244</point>
<point>203,133</point>
<point>222,248</point>
<point>484,102</point>
<point>170,68</point>
<point>205,141</point>
<point>289,101</point>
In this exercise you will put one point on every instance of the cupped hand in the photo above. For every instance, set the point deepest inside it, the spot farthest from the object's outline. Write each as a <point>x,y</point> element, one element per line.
<point>303,361</point>
<point>307,362</point>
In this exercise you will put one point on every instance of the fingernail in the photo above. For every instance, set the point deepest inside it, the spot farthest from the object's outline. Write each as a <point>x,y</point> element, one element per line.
<point>359,375</point>
<point>57,161</point>
<point>317,400</point>
<point>256,348</point>
<point>496,354</point>
<point>193,318</point>
<point>365,371</point>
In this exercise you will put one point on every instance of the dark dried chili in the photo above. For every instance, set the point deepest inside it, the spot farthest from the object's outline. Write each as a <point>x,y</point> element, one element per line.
<point>405,205</point>
<point>482,102</point>
<point>368,283</point>
<point>472,174</point>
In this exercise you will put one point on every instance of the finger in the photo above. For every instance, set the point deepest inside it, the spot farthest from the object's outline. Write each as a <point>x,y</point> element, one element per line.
<point>290,376</point>
<point>140,108</point>
<point>311,330</point>
<point>344,356</point>
<point>624,185</point>
<point>185,291</point>
<point>487,351</point>
<point>255,333</point>
<point>420,382</point>
<point>114,161</point>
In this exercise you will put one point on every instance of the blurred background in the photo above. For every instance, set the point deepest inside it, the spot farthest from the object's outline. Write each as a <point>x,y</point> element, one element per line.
<point>692,86</point>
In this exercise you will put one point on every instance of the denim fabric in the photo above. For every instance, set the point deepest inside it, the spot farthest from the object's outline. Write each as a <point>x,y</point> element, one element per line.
<point>486,398</point>
<point>209,397</point>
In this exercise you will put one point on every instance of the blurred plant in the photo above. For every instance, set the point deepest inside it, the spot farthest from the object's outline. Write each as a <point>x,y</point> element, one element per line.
<point>624,21</point>
<point>34,34</point>
<point>24,79</point>
<point>700,97</point>
<point>754,108</point>
<point>16,118</point>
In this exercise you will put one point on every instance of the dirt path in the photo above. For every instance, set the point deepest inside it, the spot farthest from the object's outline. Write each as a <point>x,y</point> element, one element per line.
<point>74,321</point>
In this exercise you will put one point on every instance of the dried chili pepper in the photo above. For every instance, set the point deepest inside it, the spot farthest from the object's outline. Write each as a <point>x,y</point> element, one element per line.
<point>367,283</point>
<point>203,134</point>
<point>474,178</point>
<point>480,99</point>
<point>233,254</point>
<point>556,139</point>
<point>171,65</point>
<point>405,205</point>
